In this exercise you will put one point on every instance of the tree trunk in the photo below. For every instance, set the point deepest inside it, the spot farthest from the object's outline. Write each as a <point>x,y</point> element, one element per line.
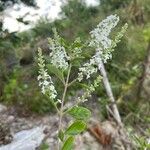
<point>114,108</point>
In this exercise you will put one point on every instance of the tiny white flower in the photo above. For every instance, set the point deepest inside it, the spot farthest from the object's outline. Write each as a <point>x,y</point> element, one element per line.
<point>148,140</point>
<point>45,83</point>
<point>39,77</point>
<point>58,100</point>
<point>51,87</point>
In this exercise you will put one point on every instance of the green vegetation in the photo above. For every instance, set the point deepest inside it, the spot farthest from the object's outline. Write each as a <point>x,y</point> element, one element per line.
<point>19,69</point>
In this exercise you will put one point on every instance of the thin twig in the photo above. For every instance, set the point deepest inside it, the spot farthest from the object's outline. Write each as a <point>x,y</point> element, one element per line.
<point>72,82</point>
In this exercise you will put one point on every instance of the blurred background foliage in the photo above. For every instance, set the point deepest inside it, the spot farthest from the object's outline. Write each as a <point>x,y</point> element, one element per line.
<point>18,68</point>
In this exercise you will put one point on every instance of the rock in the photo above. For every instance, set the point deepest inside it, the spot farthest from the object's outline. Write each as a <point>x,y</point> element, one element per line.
<point>2,108</point>
<point>10,119</point>
<point>26,140</point>
<point>86,141</point>
<point>5,134</point>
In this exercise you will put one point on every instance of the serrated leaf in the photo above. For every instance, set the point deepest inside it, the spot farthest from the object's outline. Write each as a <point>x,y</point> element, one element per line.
<point>80,113</point>
<point>68,145</point>
<point>56,71</point>
<point>61,135</point>
<point>76,128</point>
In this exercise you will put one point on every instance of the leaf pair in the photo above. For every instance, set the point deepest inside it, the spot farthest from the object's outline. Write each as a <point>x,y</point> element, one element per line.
<point>75,128</point>
<point>81,115</point>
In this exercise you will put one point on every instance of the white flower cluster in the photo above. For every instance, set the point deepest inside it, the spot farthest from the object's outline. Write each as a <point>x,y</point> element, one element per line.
<point>100,36</point>
<point>58,54</point>
<point>45,81</point>
<point>97,57</point>
<point>119,36</point>
<point>88,69</point>
<point>91,88</point>
<point>103,44</point>
<point>58,57</point>
<point>76,49</point>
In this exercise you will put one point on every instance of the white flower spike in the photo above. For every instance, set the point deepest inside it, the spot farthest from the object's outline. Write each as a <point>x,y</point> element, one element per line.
<point>45,81</point>
<point>58,53</point>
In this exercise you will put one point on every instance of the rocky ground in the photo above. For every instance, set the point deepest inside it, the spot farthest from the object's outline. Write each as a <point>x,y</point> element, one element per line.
<point>99,135</point>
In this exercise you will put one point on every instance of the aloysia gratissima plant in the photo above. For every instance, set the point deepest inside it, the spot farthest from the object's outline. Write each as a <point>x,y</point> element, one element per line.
<point>62,58</point>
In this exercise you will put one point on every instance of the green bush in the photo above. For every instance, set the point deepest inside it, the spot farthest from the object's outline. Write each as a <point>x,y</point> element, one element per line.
<point>22,91</point>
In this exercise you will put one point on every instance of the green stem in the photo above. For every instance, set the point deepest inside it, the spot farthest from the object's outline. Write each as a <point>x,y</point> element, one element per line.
<point>62,103</point>
<point>72,82</point>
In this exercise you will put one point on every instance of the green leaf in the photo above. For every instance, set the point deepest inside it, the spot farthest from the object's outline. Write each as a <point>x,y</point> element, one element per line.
<point>56,71</point>
<point>68,145</point>
<point>80,113</point>
<point>82,85</point>
<point>61,135</point>
<point>44,146</point>
<point>76,128</point>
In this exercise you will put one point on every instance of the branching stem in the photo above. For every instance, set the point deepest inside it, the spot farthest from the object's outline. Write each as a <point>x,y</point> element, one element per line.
<point>62,103</point>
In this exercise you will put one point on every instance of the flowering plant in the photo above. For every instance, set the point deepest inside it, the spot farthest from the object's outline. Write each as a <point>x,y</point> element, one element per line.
<point>61,61</point>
